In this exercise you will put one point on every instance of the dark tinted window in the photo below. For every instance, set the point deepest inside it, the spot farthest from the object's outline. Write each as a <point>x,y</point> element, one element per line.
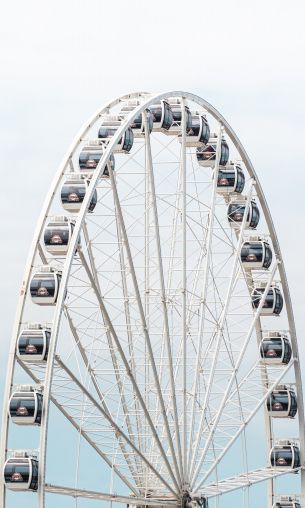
<point>240,181</point>
<point>42,287</point>
<point>281,457</point>
<point>168,116</point>
<point>278,301</point>
<point>28,345</point>
<point>236,212</point>
<point>224,157</point>
<point>137,123</point>
<point>278,402</point>
<point>16,473</point>
<point>107,132</point>
<point>128,140</point>
<point>22,407</point>
<point>255,216</point>
<point>269,300</point>
<point>89,160</point>
<point>252,252</point>
<point>93,201</point>
<point>226,179</point>
<point>195,126</point>
<point>56,236</point>
<point>268,256</point>
<point>73,193</point>
<point>287,351</point>
<point>207,153</point>
<point>271,348</point>
<point>156,112</point>
<point>34,482</point>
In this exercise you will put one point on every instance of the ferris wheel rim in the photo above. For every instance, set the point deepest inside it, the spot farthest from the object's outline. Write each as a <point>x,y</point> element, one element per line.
<point>83,212</point>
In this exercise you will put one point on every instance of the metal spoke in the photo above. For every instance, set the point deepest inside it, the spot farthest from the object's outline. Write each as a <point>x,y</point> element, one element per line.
<point>162,287</point>
<point>126,364</point>
<point>184,290</point>
<point>246,421</point>
<point>110,343</point>
<point>232,378</point>
<point>83,433</point>
<point>113,498</point>
<point>204,291</point>
<point>101,395</point>
<point>113,424</point>
<point>220,326</point>
<point>144,326</point>
<point>241,481</point>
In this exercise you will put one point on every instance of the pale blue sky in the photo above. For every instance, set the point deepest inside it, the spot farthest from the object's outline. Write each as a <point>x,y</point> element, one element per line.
<point>60,60</point>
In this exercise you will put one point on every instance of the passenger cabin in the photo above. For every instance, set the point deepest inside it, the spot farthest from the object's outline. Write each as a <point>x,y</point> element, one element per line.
<point>206,156</point>
<point>256,253</point>
<point>176,126</point>
<point>33,343</point>
<point>162,116</point>
<point>109,126</point>
<point>198,134</point>
<point>73,193</point>
<point>57,235</point>
<point>282,402</point>
<point>275,349</point>
<point>25,406</point>
<point>231,178</point>
<point>285,455</point>
<point>21,472</point>
<point>287,502</point>
<point>44,285</point>
<point>91,155</point>
<point>138,123</point>
<point>273,303</point>
<point>236,212</point>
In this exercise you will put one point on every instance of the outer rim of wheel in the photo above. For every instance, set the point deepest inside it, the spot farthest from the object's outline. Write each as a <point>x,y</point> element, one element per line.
<point>148,100</point>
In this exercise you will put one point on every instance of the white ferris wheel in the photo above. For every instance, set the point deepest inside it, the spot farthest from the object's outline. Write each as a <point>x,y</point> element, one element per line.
<point>154,358</point>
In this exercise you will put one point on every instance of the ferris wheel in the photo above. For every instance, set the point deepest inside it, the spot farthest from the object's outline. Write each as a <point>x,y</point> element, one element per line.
<point>154,358</point>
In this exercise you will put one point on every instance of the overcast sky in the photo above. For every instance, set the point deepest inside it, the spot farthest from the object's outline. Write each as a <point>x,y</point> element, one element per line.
<point>60,60</point>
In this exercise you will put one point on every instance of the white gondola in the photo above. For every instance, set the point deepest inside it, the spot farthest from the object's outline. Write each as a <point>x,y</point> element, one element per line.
<point>273,303</point>
<point>162,116</point>
<point>57,235</point>
<point>21,472</point>
<point>256,253</point>
<point>282,402</point>
<point>110,124</point>
<point>236,211</point>
<point>73,193</point>
<point>44,285</point>
<point>176,108</point>
<point>275,349</point>
<point>285,455</point>
<point>287,502</point>
<point>138,124</point>
<point>33,343</point>
<point>25,406</point>
<point>231,178</point>
<point>91,155</point>
<point>206,156</point>
<point>198,133</point>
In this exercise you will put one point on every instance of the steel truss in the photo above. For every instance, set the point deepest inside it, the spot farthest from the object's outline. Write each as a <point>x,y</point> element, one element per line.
<point>158,377</point>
